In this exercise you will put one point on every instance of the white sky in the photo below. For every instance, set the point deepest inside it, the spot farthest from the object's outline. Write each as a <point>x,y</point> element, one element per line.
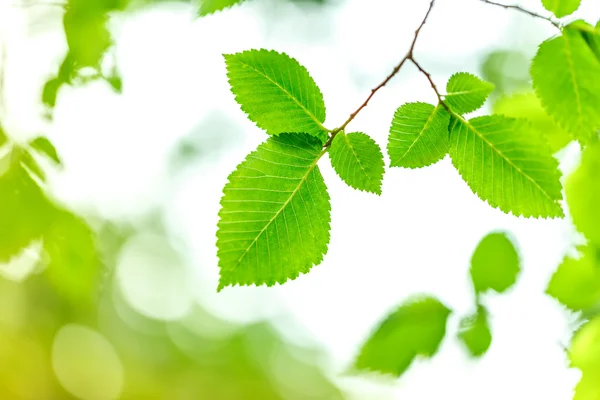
<point>417,238</point>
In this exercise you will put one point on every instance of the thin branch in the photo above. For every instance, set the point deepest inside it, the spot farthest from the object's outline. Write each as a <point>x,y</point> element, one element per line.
<point>408,56</point>
<point>523,10</point>
<point>433,86</point>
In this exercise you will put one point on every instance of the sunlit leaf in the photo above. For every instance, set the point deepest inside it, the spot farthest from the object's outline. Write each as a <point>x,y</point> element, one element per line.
<point>506,163</point>
<point>276,92</point>
<point>415,329</point>
<point>357,159</point>
<point>212,6</point>
<point>584,354</point>
<point>466,92</point>
<point>418,135</point>
<point>495,263</point>
<point>45,147</point>
<point>475,333</point>
<point>561,8</point>
<point>275,215</point>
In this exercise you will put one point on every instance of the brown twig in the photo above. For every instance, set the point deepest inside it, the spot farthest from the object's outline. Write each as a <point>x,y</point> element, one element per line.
<point>523,10</point>
<point>433,86</point>
<point>396,69</point>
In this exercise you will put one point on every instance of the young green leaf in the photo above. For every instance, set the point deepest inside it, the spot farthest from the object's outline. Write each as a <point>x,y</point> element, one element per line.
<point>526,105</point>
<point>566,78</point>
<point>583,194</point>
<point>415,329</point>
<point>561,8</point>
<point>276,92</point>
<point>494,264</point>
<point>475,334</point>
<point>211,6</point>
<point>418,135</point>
<point>275,215</point>
<point>466,92</point>
<point>357,159</point>
<point>506,163</point>
<point>45,147</point>
<point>576,282</point>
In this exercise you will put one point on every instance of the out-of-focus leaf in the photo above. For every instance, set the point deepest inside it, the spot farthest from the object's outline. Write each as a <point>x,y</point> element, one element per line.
<point>584,354</point>
<point>561,8</point>
<point>416,328</point>
<point>495,263</point>
<point>507,70</point>
<point>526,105</point>
<point>576,282</point>
<point>475,333</point>
<point>211,6</point>
<point>44,146</point>
<point>583,194</point>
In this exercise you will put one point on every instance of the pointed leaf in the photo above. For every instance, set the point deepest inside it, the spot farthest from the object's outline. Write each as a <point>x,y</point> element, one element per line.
<point>583,194</point>
<point>495,263</point>
<point>415,329</point>
<point>357,159</point>
<point>576,282</point>
<point>45,147</point>
<point>418,135</point>
<point>466,92</point>
<point>276,92</point>
<point>211,6</point>
<point>566,78</point>
<point>507,164</point>
<point>561,8</point>
<point>475,333</point>
<point>526,105</point>
<point>275,215</point>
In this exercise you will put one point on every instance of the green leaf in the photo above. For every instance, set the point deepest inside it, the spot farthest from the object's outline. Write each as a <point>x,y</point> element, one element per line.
<point>576,282</point>
<point>561,8</point>
<point>275,215</point>
<point>418,135</point>
<point>508,70</point>
<point>276,92</point>
<point>585,355</point>
<point>526,105</point>
<point>357,159</point>
<point>211,6</point>
<point>466,92</point>
<point>566,78</point>
<point>495,263</point>
<point>87,35</point>
<point>45,147</point>
<point>506,163</point>
<point>3,138</point>
<point>475,334</point>
<point>415,329</point>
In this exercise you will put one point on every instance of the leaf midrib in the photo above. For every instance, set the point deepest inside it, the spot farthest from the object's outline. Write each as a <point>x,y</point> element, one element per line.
<point>501,154</point>
<point>569,57</point>
<point>421,133</point>
<point>466,92</point>
<point>356,156</point>
<point>311,167</point>
<point>290,95</point>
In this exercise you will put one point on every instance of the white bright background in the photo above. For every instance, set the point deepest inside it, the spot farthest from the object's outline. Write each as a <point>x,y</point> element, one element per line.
<point>417,238</point>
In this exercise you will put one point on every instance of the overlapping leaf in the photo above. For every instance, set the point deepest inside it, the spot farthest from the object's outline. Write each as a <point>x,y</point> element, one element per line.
<point>357,159</point>
<point>507,164</point>
<point>475,333</point>
<point>212,6</point>
<point>275,216</point>
<point>415,329</point>
<point>466,92</point>
<point>576,282</point>
<point>566,77</point>
<point>418,135</point>
<point>561,8</point>
<point>276,92</point>
<point>495,263</point>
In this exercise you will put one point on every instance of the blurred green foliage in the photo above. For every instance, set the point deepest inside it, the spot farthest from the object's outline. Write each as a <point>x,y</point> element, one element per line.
<point>475,332</point>
<point>495,264</point>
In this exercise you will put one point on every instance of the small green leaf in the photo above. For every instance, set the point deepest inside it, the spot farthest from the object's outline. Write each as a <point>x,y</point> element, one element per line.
<point>561,8</point>
<point>415,329</point>
<point>566,78</point>
<point>357,159</point>
<point>583,194</point>
<point>506,163</point>
<point>418,135</point>
<point>526,105</point>
<point>576,282</point>
<point>475,334</point>
<point>275,213</point>
<point>45,147</point>
<point>211,6</point>
<point>495,263</point>
<point>276,92</point>
<point>466,92</point>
